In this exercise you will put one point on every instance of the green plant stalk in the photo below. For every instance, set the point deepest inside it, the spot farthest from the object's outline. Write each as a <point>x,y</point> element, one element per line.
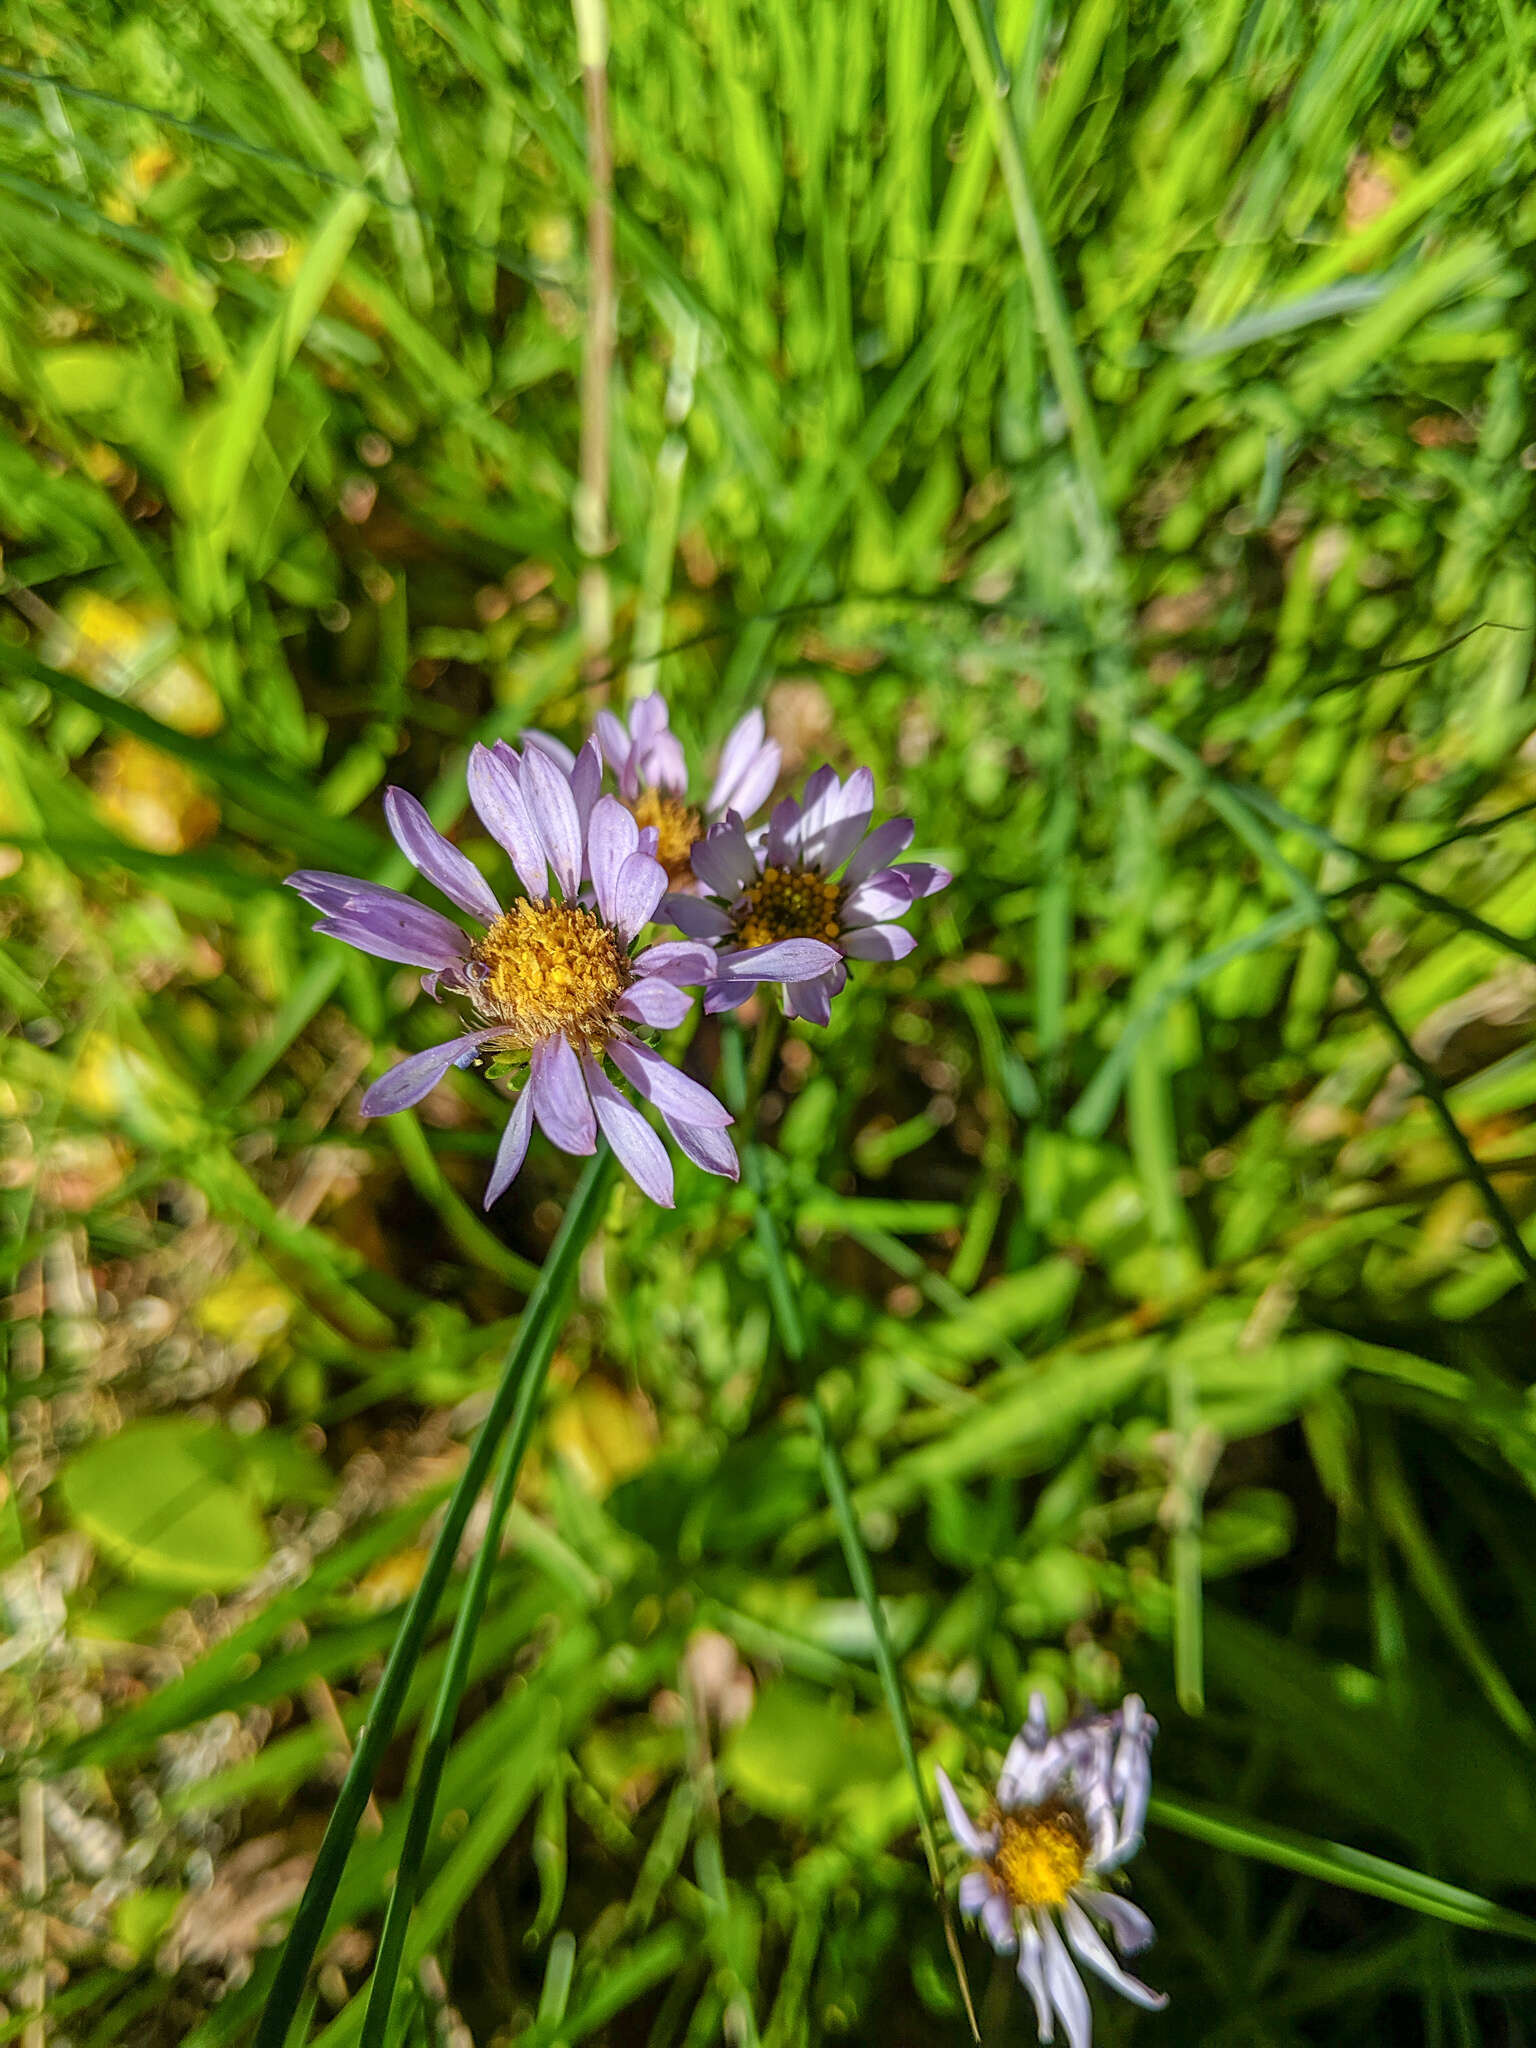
<point>791,1329</point>
<point>450,1692</point>
<point>526,1364</point>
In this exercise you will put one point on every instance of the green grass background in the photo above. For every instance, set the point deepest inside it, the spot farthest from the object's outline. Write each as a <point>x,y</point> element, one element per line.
<point>1136,470</point>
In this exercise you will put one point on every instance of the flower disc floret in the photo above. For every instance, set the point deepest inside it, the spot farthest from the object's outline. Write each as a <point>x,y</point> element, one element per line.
<point>1041,1853</point>
<point>544,968</point>
<point>788,903</point>
<point>678,829</point>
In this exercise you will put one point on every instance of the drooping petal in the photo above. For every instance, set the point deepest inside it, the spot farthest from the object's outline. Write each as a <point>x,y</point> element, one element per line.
<point>663,1084</point>
<point>710,1149</point>
<point>553,810</point>
<point>729,995</point>
<point>513,1149</point>
<point>641,884</point>
<point>1131,1781</point>
<point>1001,1924</point>
<point>388,935</point>
<point>882,845</point>
<point>812,1000</point>
<point>1131,1927</point>
<point>498,800</point>
<point>560,1099</point>
<point>1088,1946</point>
<point>435,857</point>
<point>405,1084</point>
<point>975,1890</point>
<point>640,1152</point>
<point>612,836</point>
<point>654,1002</point>
<point>677,960</point>
<point>784,960</point>
<point>700,920</point>
<point>884,894</point>
<point>1032,1977</point>
<point>975,1841</point>
<point>722,859</point>
<point>1067,1992</point>
<point>879,942</point>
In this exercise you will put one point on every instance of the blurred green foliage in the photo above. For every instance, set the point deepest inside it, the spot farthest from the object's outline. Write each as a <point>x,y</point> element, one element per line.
<point>1157,1226</point>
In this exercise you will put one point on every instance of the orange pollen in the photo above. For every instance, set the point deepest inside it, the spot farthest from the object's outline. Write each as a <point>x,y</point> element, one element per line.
<point>677,828</point>
<point>1041,1853</point>
<point>788,903</point>
<point>551,968</point>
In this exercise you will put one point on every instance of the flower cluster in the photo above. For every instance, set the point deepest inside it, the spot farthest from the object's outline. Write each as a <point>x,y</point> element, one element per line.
<point>558,981</point>
<point>1069,1810</point>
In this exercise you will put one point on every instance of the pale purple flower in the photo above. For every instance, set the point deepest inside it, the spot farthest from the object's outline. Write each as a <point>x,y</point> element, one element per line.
<point>651,771</point>
<point>1069,1811</point>
<point>555,976</point>
<point>794,903</point>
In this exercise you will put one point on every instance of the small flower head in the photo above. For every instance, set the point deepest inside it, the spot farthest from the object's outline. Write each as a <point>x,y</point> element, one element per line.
<point>793,904</point>
<point>651,772</point>
<point>554,979</point>
<point>1069,1810</point>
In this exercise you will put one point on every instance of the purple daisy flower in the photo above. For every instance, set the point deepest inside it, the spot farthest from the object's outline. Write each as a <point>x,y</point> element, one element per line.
<point>552,977</point>
<point>1069,1810</point>
<point>793,904</point>
<point>651,770</point>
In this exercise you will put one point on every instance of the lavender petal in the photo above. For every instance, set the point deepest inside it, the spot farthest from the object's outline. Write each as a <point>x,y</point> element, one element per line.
<point>1066,1989</point>
<point>1088,1945</point>
<point>712,1150</point>
<point>727,995</point>
<point>924,878</point>
<point>546,743</point>
<point>1032,1977</point>
<point>812,1000</point>
<point>433,856</point>
<point>700,920</point>
<point>389,936</point>
<point>586,782</point>
<point>722,859</point>
<point>882,845</point>
<point>495,792</point>
<point>742,744</point>
<point>782,840</point>
<point>641,884</point>
<point>1131,1927</point>
<point>885,894</point>
<point>553,810</point>
<point>784,960</point>
<point>612,836</point>
<point>678,961</point>
<point>406,1083</point>
<point>844,821</point>
<point>655,1003</point>
<point>878,942</point>
<point>662,1084</point>
<point>973,1840</point>
<point>1001,1925</point>
<point>560,1100</point>
<point>513,1149</point>
<point>640,1152</point>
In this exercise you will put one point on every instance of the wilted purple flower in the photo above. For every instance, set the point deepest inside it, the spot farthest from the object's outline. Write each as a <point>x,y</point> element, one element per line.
<point>792,904</point>
<point>651,770</point>
<point>550,977</point>
<point>1069,1810</point>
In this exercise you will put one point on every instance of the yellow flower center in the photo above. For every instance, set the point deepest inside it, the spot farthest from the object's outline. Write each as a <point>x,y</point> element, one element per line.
<point>788,903</point>
<point>1041,1854</point>
<point>676,830</point>
<point>551,967</point>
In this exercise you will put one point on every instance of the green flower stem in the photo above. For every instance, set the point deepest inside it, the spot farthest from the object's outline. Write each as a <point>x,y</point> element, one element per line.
<point>515,1400</point>
<point>791,1329</point>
